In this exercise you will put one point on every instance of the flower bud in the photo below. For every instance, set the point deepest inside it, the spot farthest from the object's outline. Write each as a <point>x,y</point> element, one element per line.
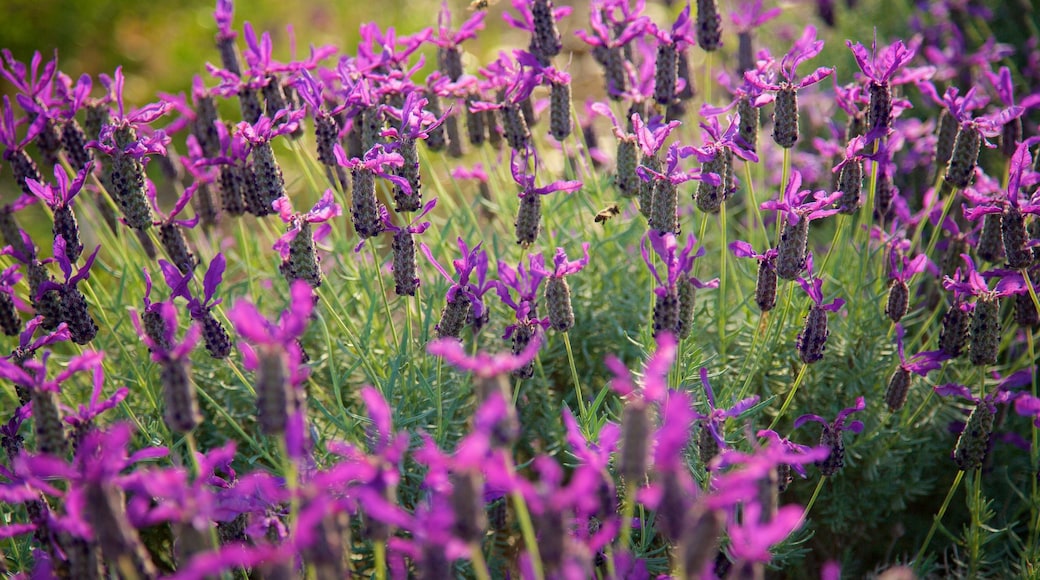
<point>172,239</point>
<point>785,117</point>
<point>765,287</point>
<point>700,541</point>
<point>794,240</point>
<point>898,389</point>
<point>812,340</point>
<point>991,244</point>
<point>274,397</point>
<point>74,142</point>
<point>961,169</point>
<point>522,336</point>
<point>405,201</point>
<point>74,312</point>
<point>709,25</point>
<point>625,177</point>
<point>954,333</point>
<point>973,442</point>
<point>516,133</point>
<point>436,139</point>
<point>559,110</point>
<point>707,445</point>
<point>475,129</point>
<point>1013,232</point>
<point>879,115</point>
<point>832,439</point>
<point>249,103</point>
<point>47,423</point>
<point>647,187</point>
<point>106,511</point>
<point>898,300</point>
<point>180,406</point>
<point>406,281</point>
<point>710,197</point>
<point>364,208</point>
<point>545,38</point>
<point>985,332</point>
<point>850,183</point>
<point>10,323</point>
<point>666,313</point>
<point>528,219</point>
<point>216,339</point>
<point>947,134</point>
<point>453,317</point>
<point>750,117</point>
<point>558,303</point>
<point>687,301</point>
<point>449,61</point>
<point>232,187</point>
<point>666,72</point>
<point>270,184</point>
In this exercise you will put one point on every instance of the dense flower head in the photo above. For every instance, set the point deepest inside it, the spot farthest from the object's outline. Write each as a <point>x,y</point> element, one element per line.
<point>716,416</point>
<point>169,349</point>
<point>323,210</point>
<point>525,282</point>
<point>179,283</point>
<point>718,139</point>
<point>284,334</point>
<point>70,279</point>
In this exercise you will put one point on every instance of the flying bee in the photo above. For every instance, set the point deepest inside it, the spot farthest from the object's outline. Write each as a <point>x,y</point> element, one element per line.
<point>608,213</point>
<point>481,4</point>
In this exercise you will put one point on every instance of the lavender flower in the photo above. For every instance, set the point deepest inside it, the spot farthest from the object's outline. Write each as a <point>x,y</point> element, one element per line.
<point>984,334</point>
<point>37,99</point>
<point>464,298</point>
<point>529,217</point>
<point>120,140</point>
<point>1011,131</point>
<point>415,124</point>
<point>711,438</point>
<point>717,157</point>
<point>765,285</point>
<point>73,309</point>
<point>901,271</point>
<point>296,246</point>
<point>216,339</point>
<point>10,323</point>
<point>610,36</point>
<point>797,214</point>
<point>269,185</point>
<point>785,115</point>
<point>22,166</point>
<point>746,17</point>
<point>170,234</point>
<point>180,405</point>
<point>273,352</point>
<point>406,278</point>
<point>449,53</point>
<point>812,340</point>
<point>525,282</point>
<point>364,208</point>
<point>973,442</point>
<point>557,291</point>
<point>879,67</point>
<point>651,136</point>
<point>679,265</point>
<point>670,43</point>
<point>921,364</point>
<point>538,17</point>
<point>832,437</point>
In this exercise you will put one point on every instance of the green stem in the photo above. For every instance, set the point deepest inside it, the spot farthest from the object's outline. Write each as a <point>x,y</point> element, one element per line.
<point>627,512</point>
<point>812,500</point>
<point>721,295</point>
<point>574,377</point>
<point>1034,513</point>
<point>382,291</point>
<point>292,479</point>
<point>754,204</point>
<point>790,395</point>
<point>785,174</point>
<point>480,568</point>
<point>527,531</point>
<point>707,77</point>
<point>379,553</point>
<point>938,519</point>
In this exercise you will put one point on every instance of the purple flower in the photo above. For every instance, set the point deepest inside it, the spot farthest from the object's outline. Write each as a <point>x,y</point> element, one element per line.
<point>680,35</point>
<point>223,15</point>
<point>921,363</point>
<point>416,123</point>
<point>805,48</point>
<point>9,131</point>
<point>169,350</point>
<point>376,160</point>
<point>473,262</point>
<point>179,285</point>
<point>476,172</point>
<point>482,364</point>
<point>672,172</point>
<point>71,280</point>
<point>178,206</point>
<point>267,128</point>
<point>901,268</point>
<point>82,418</point>
<point>786,452</point>
<point>60,195</point>
<point>258,332</point>
<point>526,19</point>
<point>32,374</point>
<point>750,14</point>
<point>651,135</point>
<point>722,140</point>
<point>561,265</point>
<point>445,37</point>
<point>970,282</point>
<point>743,249</point>
<point>751,539</point>
<point>30,82</point>
<point>324,210</point>
<point>518,166</point>
<point>27,347</point>
<point>881,66</point>
<point>653,387</point>
<point>525,282</point>
<point>838,424</point>
<point>961,109</point>
<point>1028,406</point>
<point>794,207</point>
<point>813,286</point>
<point>715,417</point>
<point>677,262</point>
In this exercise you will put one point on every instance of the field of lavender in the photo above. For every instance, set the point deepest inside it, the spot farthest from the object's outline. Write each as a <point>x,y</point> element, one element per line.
<point>611,290</point>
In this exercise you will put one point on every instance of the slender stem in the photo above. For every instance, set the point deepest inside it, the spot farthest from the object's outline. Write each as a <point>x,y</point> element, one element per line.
<point>938,519</point>
<point>721,296</point>
<point>836,242</point>
<point>574,377</point>
<point>812,500</point>
<point>1035,514</point>
<point>291,474</point>
<point>754,203</point>
<point>379,553</point>
<point>627,512</point>
<point>440,401</point>
<point>382,291</point>
<point>527,531</point>
<point>790,395</point>
<point>707,76</point>
<point>785,174</point>
<point>480,568</point>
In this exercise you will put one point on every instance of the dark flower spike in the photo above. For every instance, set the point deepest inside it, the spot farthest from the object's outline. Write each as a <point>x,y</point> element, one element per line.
<point>716,416</point>
<point>813,286</point>
<point>832,435</point>
<point>794,207</point>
